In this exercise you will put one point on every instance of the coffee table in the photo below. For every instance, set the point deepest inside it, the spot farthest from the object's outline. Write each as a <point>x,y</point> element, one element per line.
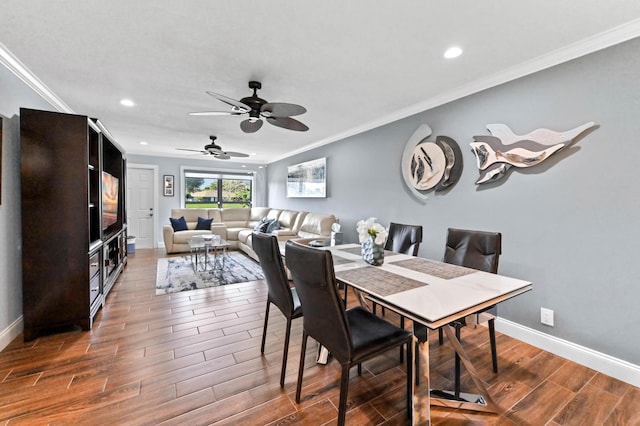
<point>202,245</point>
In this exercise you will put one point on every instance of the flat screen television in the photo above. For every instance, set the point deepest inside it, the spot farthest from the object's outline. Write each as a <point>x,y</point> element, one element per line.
<point>109,200</point>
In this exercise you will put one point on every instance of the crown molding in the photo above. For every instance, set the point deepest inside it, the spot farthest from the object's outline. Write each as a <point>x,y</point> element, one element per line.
<point>583,47</point>
<point>20,70</point>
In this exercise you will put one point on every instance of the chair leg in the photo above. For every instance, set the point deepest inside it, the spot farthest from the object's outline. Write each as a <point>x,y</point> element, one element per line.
<point>402,347</point>
<point>301,366</point>
<point>344,388</point>
<point>492,338</point>
<point>375,306</point>
<point>285,352</point>
<point>417,365</point>
<point>264,331</point>
<point>383,312</point>
<point>457,368</point>
<point>440,336</point>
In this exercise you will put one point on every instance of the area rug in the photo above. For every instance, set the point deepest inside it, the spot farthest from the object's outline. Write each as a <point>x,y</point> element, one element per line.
<point>177,273</point>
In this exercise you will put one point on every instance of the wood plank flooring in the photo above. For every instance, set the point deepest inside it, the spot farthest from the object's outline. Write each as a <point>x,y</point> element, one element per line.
<point>194,358</point>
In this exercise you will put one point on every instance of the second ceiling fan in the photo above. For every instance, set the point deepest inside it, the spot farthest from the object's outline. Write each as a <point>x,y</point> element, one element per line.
<point>277,113</point>
<point>215,150</point>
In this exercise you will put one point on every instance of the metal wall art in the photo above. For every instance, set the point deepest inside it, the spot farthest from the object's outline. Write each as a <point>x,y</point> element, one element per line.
<point>504,149</point>
<point>429,165</point>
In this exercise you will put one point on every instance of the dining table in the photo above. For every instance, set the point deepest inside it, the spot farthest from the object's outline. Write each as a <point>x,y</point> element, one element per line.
<point>434,294</point>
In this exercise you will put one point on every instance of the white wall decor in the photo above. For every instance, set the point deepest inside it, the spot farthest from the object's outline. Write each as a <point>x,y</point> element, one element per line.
<point>430,165</point>
<point>497,153</point>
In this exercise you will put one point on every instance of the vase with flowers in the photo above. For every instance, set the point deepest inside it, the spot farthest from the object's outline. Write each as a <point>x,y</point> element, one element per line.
<point>372,236</point>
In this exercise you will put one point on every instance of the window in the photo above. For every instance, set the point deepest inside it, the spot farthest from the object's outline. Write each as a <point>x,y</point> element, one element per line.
<point>210,189</point>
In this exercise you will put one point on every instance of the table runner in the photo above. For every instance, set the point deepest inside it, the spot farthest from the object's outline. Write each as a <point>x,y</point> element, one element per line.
<point>445,271</point>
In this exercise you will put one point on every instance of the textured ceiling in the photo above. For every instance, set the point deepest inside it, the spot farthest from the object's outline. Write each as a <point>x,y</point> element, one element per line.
<point>353,64</point>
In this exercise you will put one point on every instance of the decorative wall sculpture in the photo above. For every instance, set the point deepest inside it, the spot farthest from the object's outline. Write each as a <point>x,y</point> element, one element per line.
<point>504,149</point>
<point>430,165</point>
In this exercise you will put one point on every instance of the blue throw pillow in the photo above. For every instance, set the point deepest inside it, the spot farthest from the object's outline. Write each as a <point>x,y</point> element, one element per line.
<point>204,224</point>
<point>273,225</point>
<point>178,224</point>
<point>262,225</point>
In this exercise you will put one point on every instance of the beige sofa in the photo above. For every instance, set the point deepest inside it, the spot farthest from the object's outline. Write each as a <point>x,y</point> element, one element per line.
<point>236,225</point>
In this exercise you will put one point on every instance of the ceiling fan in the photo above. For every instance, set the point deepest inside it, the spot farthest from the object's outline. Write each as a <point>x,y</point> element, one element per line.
<point>215,150</point>
<point>277,113</point>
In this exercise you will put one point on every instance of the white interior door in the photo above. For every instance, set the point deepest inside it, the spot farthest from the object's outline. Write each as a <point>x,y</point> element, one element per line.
<point>141,203</point>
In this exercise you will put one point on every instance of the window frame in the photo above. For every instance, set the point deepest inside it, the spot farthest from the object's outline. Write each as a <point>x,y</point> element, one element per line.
<point>220,174</point>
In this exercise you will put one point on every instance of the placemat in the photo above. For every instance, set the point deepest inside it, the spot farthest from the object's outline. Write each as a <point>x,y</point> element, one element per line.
<point>378,281</point>
<point>445,271</point>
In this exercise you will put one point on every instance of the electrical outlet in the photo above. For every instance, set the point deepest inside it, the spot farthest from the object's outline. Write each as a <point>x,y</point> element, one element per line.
<point>546,316</point>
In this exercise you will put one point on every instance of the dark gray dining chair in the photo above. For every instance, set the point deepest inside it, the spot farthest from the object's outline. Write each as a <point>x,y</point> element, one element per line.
<point>403,239</point>
<point>351,336</point>
<point>280,293</point>
<point>477,250</point>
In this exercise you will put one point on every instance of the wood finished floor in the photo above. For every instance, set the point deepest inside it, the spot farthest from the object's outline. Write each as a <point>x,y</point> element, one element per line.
<point>194,358</point>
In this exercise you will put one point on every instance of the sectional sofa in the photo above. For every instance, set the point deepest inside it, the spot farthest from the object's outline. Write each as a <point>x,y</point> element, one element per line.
<point>236,225</point>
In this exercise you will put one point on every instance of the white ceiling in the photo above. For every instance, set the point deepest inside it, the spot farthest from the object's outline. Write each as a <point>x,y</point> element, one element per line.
<point>353,64</point>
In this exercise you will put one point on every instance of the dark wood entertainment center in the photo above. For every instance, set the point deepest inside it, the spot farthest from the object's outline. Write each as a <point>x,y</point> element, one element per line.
<point>70,260</point>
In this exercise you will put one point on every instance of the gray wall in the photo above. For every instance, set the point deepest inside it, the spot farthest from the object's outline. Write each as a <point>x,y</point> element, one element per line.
<point>569,225</point>
<point>13,95</point>
<point>171,166</point>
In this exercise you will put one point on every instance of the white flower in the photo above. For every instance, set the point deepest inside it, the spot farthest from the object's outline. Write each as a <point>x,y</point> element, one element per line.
<point>369,227</point>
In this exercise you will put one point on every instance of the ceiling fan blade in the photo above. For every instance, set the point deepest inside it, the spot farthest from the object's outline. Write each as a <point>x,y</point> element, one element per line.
<point>222,156</point>
<point>281,109</point>
<point>288,123</point>
<point>192,150</point>
<point>235,154</point>
<point>241,107</point>
<point>232,112</point>
<point>249,126</point>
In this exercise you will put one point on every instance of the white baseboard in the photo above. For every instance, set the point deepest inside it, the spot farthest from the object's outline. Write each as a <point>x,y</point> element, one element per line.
<point>603,363</point>
<point>11,332</point>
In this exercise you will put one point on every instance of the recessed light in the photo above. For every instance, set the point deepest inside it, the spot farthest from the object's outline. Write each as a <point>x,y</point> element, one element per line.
<point>243,166</point>
<point>144,143</point>
<point>452,52</point>
<point>253,153</point>
<point>127,102</point>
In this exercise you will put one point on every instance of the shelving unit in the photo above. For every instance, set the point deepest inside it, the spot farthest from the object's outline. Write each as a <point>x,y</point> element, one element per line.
<point>69,260</point>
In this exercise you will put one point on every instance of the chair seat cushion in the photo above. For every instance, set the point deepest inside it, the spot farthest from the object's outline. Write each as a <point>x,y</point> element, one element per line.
<point>370,334</point>
<point>183,237</point>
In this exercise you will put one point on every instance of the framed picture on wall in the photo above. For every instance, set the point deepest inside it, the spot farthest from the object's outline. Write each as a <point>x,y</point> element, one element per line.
<point>308,179</point>
<point>168,186</point>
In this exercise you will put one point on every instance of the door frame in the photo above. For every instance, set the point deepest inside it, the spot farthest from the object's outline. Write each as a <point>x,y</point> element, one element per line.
<point>156,188</point>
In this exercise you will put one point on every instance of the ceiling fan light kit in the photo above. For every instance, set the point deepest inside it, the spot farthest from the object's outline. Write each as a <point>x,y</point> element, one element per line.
<point>276,113</point>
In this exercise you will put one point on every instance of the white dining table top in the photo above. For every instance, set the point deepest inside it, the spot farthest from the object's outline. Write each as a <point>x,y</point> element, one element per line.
<point>427,291</point>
